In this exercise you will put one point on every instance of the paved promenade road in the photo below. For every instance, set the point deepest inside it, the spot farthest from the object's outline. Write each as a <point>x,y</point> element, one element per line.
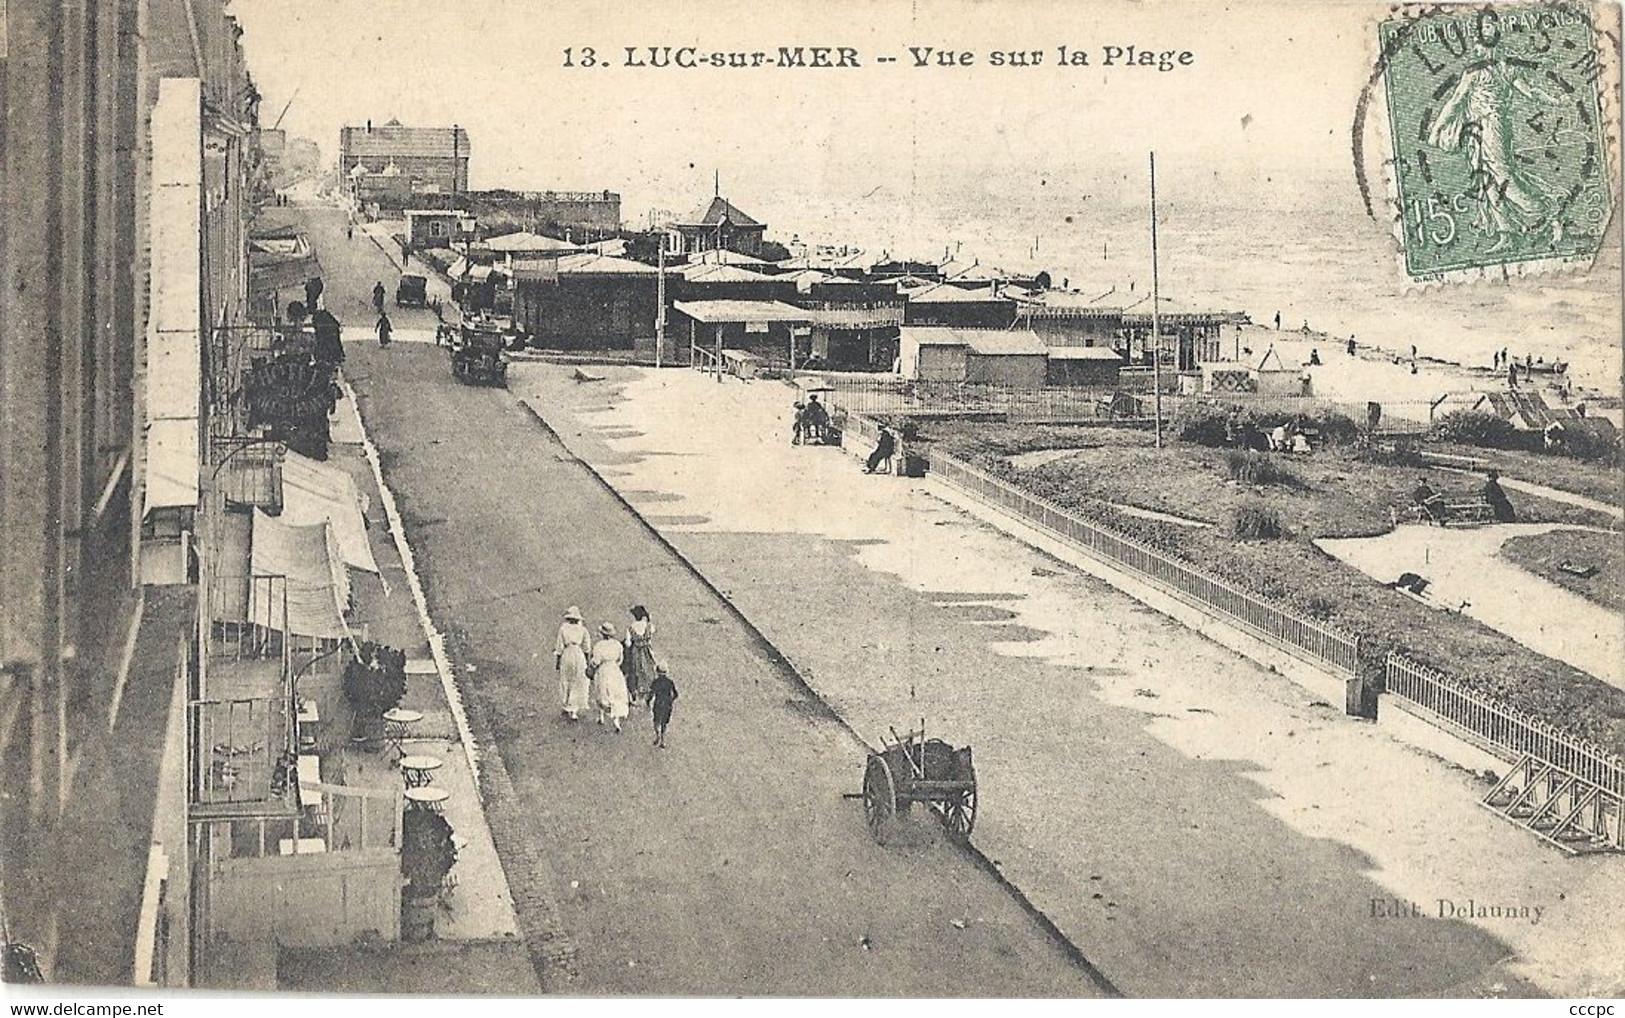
<point>726,864</point>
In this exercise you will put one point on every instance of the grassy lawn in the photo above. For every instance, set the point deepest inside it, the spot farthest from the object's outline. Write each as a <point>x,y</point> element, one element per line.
<point>1332,493</point>
<point>1593,480</point>
<point>1541,554</point>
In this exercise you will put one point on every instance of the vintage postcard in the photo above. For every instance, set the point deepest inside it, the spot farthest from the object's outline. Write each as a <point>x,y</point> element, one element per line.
<point>930,499</point>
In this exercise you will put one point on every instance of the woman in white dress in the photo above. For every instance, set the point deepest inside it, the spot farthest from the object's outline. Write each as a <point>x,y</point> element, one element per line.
<point>570,661</point>
<point>609,683</point>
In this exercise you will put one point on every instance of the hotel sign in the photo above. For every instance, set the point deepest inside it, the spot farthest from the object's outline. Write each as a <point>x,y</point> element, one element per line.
<point>288,391</point>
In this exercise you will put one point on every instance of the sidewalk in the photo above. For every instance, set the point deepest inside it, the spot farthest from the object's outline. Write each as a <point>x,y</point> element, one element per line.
<point>1195,824</point>
<point>477,920</point>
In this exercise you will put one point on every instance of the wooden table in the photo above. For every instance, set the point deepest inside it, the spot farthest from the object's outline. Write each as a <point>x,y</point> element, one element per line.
<point>418,770</point>
<point>426,797</point>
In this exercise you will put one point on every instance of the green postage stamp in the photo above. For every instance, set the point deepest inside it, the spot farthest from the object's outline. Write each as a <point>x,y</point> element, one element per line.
<point>1501,137</point>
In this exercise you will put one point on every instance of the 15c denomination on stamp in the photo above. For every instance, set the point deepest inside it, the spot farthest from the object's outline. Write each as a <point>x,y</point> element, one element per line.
<point>1500,144</point>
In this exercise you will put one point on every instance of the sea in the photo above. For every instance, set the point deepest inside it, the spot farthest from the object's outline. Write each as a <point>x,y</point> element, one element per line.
<point>1324,263</point>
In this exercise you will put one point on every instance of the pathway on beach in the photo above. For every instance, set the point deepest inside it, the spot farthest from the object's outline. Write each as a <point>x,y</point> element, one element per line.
<point>1463,567</point>
<point>1196,824</point>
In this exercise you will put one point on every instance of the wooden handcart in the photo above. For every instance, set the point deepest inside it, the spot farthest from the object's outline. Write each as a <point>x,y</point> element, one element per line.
<point>912,768</point>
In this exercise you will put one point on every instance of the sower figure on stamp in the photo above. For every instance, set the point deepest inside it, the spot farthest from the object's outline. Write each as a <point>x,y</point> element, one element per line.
<point>1478,117</point>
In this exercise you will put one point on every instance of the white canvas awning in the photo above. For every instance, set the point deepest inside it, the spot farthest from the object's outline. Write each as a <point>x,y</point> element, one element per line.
<point>172,464</point>
<point>174,340</point>
<point>315,492</point>
<point>317,582</point>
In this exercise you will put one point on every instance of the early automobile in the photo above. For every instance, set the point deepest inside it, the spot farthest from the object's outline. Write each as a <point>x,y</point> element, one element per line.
<point>478,352</point>
<point>412,292</point>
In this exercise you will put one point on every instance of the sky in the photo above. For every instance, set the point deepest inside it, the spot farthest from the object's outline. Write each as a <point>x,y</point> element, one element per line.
<point>1265,104</point>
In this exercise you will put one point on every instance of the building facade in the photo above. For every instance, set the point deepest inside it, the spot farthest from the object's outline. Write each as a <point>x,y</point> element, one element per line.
<point>718,226</point>
<point>125,160</point>
<point>432,159</point>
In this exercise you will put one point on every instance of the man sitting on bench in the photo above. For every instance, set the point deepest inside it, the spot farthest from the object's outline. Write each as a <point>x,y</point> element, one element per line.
<point>885,449</point>
<point>817,421</point>
<point>1431,502</point>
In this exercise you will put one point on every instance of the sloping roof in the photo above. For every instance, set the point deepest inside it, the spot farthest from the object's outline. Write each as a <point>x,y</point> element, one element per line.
<point>944,293</point>
<point>1085,353</point>
<point>725,257</point>
<point>1174,311</point>
<point>805,278</point>
<point>394,140</point>
<point>718,210</point>
<point>982,342</point>
<point>722,274</point>
<point>603,265</point>
<point>1004,342</point>
<point>973,273</point>
<point>513,243</point>
<point>315,492</point>
<point>908,282</point>
<point>728,311</point>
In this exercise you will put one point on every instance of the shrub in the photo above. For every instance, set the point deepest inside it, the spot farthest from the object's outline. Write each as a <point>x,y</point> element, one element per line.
<point>1475,427</point>
<point>1256,468</point>
<point>1202,423</point>
<point>1256,523</point>
<point>1335,428</point>
<point>375,680</point>
<point>427,852</point>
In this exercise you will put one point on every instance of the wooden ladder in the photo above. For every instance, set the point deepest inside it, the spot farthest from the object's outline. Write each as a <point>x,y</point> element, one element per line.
<point>1575,815</point>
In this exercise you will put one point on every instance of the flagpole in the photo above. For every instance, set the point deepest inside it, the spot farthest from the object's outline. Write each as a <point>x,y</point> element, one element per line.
<point>1156,309</point>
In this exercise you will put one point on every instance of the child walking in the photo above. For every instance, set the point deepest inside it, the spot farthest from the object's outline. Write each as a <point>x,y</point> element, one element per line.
<point>662,694</point>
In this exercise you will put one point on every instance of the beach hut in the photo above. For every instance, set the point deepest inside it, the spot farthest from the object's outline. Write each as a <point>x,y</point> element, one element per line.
<point>1083,366</point>
<point>1009,357</point>
<point>1273,377</point>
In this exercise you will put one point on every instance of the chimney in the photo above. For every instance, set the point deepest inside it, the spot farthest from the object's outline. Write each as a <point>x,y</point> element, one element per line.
<point>369,126</point>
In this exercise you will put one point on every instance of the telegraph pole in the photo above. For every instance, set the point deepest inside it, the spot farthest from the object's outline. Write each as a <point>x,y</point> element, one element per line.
<point>660,301</point>
<point>1156,309</point>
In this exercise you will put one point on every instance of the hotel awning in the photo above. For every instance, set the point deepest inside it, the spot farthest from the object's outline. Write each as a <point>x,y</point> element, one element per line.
<point>317,582</point>
<point>315,492</point>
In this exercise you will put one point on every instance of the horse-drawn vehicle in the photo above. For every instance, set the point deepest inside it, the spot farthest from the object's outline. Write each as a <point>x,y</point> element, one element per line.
<point>912,768</point>
<point>478,352</point>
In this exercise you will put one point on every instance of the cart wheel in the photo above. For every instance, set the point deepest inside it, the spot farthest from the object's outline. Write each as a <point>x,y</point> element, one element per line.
<point>959,815</point>
<point>879,794</point>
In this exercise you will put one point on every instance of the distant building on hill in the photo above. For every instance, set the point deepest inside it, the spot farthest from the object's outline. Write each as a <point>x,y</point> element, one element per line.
<point>432,159</point>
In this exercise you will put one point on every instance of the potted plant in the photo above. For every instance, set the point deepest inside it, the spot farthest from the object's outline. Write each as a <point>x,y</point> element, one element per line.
<point>427,855</point>
<point>374,682</point>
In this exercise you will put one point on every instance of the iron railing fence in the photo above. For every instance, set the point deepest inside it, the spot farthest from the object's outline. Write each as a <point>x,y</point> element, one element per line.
<point>1319,643</point>
<point>1435,696</point>
<point>1503,729</point>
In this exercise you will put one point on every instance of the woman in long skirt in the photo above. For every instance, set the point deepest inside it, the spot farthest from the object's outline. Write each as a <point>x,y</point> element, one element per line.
<point>609,684</point>
<point>640,655</point>
<point>570,661</point>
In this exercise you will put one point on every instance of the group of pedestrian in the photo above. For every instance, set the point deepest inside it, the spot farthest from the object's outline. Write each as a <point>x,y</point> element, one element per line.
<point>811,423</point>
<point>610,673</point>
<point>383,326</point>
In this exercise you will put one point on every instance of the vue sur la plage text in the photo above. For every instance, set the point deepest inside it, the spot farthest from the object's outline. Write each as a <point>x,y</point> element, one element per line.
<point>849,57</point>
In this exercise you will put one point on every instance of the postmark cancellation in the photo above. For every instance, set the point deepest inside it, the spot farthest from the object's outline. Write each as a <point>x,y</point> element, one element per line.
<point>1501,156</point>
